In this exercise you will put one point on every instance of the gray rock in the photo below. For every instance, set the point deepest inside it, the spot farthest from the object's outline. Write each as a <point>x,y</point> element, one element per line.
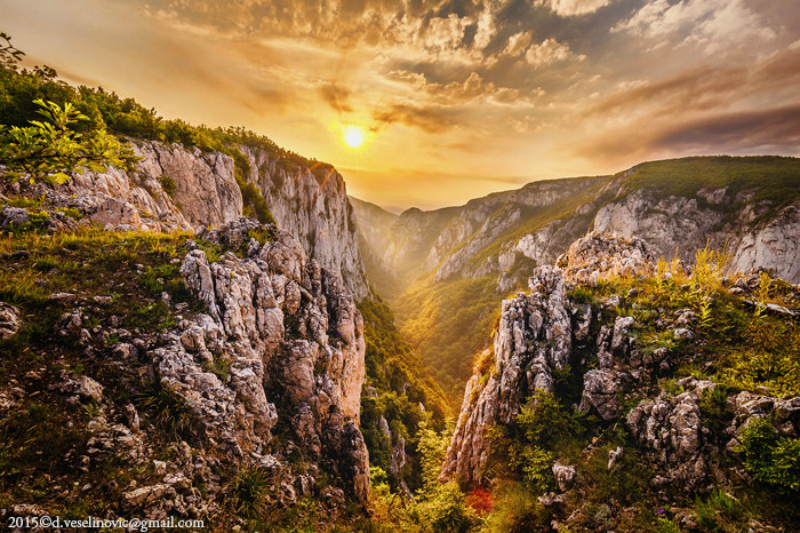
<point>613,456</point>
<point>564,475</point>
<point>294,342</point>
<point>670,429</point>
<point>533,338</point>
<point>13,216</point>
<point>601,393</point>
<point>10,320</point>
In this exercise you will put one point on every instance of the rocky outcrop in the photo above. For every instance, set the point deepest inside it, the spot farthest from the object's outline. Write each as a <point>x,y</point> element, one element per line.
<point>774,245</point>
<point>537,334</point>
<point>544,331</point>
<point>174,187</point>
<point>310,202</point>
<point>670,427</point>
<point>533,339</point>
<point>756,237</point>
<point>293,342</point>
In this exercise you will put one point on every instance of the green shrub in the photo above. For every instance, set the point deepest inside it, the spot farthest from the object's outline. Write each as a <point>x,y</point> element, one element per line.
<point>169,411</point>
<point>249,489</point>
<point>718,508</point>
<point>168,184</point>
<point>770,458</point>
<point>517,511</point>
<point>448,512</point>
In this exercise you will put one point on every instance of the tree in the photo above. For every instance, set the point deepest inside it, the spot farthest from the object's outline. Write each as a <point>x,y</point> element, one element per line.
<point>9,55</point>
<point>51,149</point>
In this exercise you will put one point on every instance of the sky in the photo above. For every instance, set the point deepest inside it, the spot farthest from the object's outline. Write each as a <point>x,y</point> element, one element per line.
<point>451,99</point>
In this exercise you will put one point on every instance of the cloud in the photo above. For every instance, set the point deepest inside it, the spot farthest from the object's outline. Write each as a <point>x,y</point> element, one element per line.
<point>714,25</point>
<point>429,118</point>
<point>474,89</point>
<point>336,97</point>
<point>759,131</point>
<point>549,51</point>
<point>517,44</point>
<point>755,131</point>
<point>572,8</point>
<point>688,92</point>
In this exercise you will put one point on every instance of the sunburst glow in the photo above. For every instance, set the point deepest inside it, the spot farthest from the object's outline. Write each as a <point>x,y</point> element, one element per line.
<point>354,136</point>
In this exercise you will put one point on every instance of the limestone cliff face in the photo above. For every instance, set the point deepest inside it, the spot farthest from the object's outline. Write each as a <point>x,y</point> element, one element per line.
<point>310,203</point>
<point>537,335</point>
<point>534,338</point>
<point>676,224</point>
<point>294,342</point>
<point>544,331</point>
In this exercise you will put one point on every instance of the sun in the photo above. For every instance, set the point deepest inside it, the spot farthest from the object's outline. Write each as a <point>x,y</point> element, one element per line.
<point>354,136</point>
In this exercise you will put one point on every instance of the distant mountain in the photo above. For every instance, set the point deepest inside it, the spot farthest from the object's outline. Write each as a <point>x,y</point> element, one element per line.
<point>452,266</point>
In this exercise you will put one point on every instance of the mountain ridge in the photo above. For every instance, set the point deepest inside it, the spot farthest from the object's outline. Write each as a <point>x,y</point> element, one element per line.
<point>749,204</point>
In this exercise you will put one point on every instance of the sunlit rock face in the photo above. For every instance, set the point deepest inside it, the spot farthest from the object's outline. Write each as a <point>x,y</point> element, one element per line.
<point>533,339</point>
<point>309,203</point>
<point>495,234</point>
<point>294,342</point>
<point>539,333</point>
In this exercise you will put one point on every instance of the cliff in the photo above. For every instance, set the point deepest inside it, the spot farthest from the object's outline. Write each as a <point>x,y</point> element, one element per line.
<point>186,188</point>
<point>472,256</point>
<point>214,376</point>
<point>610,356</point>
<point>677,206</point>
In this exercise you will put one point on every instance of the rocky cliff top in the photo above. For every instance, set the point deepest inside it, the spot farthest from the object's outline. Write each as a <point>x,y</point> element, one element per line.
<point>174,187</point>
<point>616,356</point>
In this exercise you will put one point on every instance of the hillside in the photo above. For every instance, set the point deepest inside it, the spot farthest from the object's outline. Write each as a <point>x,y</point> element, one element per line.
<point>209,364</point>
<point>486,249</point>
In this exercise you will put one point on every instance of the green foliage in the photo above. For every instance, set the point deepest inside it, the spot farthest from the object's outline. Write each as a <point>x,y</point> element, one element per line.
<point>772,179</point>
<point>52,149</point>
<point>770,458</point>
<point>547,423</point>
<point>544,430</point>
<point>536,465</point>
<point>517,511</point>
<point>167,409</point>
<point>9,55</point>
<point>396,375</point>
<point>219,366</point>
<point>249,488</point>
<point>709,268</point>
<point>445,322</point>
<point>168,184</point>
<point>447,512</point>
<point>665,525</point>
<point>718,511</point>
<point>432,448</point>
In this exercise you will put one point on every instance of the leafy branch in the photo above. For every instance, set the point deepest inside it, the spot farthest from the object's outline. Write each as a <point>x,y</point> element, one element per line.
<point>51,150</point>
<point>9,54</point>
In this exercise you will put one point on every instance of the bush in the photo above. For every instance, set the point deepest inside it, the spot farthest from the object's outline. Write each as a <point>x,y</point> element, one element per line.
<point>249,488</point>
<point>168,409</point>
<point>448,511</point>
<point>770,458</point>
<point>168,184</point>
<point>716,509</point>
